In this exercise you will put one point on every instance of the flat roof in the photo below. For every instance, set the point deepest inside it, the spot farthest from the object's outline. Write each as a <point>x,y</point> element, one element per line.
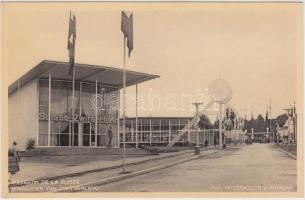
<point>104,75</point>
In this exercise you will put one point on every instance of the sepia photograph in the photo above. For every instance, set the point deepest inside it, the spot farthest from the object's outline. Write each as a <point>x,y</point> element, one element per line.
<point>152,99</point>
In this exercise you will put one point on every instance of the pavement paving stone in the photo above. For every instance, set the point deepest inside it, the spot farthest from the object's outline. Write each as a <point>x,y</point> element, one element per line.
<point>252,168</point>
<point>39,167</point>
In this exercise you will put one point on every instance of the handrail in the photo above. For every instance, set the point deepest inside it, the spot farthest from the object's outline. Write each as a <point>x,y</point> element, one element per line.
<point>190,124</point>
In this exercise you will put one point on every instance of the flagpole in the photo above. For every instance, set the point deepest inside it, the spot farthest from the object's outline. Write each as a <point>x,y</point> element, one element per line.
<point>72,132</point>
<point>270,117</point>
<point>72,63</point>
<point>124,106</point>
<point>127,29</point>
<point>73,90</point>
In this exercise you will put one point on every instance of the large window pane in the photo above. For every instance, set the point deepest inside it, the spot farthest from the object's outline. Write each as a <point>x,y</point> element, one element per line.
<point>43,140</point>
<point>54,139</point>
<point>64,127</point>
<point>88,92</point>
<point>43,96</point>
<point>54,127</point>
<point>43,133</point>
<point>59,97</point>
<point>61,109</point>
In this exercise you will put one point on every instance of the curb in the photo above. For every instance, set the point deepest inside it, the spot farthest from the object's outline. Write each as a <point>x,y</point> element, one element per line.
<point>133,174</point>
<point>286,152</point>
<point>100,169</point>
<point>104,168</point>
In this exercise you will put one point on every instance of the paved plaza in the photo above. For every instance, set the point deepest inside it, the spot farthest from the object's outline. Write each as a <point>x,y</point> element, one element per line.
<point>256,167</point>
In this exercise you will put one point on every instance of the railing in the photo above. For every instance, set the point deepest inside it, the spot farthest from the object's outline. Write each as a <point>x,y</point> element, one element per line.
<point>208,135</point>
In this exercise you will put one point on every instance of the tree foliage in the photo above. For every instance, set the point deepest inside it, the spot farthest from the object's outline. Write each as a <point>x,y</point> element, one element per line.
<point>260,124</point>
<point>205,122</point>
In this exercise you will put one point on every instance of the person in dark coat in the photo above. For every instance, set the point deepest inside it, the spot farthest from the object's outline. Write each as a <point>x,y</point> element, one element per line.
<point>109,137</point>
<point>206,143</point>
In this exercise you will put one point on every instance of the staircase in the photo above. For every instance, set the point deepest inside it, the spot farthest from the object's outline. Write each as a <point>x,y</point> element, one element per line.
<point>190,124</point>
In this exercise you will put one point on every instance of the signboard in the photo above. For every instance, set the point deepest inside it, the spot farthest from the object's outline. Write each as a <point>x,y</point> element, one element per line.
<point>106,119</point>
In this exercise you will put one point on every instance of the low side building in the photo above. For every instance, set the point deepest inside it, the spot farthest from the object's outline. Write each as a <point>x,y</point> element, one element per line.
<point>159,131</point>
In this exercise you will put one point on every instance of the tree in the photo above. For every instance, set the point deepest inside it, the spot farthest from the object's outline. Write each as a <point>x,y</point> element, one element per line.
<point>281,119</point>
<point>259,124</point>
<point>204,122</point>
<point>247,125</point>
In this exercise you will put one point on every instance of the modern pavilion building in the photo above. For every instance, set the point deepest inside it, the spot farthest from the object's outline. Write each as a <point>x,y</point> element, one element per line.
<point>40,105</point>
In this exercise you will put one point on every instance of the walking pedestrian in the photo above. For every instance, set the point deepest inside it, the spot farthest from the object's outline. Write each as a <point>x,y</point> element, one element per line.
<point>109,137</point>
<point>16,151</point>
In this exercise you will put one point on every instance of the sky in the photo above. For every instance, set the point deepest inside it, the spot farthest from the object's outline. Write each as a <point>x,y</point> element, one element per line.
<point>255,47</point>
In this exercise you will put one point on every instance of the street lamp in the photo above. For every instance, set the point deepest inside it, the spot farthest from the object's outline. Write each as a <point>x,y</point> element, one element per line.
<point>221,91</point>
<point>197,147</point>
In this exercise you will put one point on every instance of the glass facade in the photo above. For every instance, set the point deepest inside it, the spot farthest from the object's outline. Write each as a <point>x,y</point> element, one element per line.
<point>160,131</point>
<point>95,114</point>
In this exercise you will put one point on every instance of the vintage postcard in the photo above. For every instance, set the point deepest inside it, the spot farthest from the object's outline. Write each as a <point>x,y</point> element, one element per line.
<point>152,99</point>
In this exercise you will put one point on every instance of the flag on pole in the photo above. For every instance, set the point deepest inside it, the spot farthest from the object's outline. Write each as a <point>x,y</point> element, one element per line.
<point>127,29</point>
<point>71,41</point>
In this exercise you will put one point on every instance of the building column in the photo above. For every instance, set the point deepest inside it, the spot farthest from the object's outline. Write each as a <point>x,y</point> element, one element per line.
<point>220,126</point>
<point>49,112</point>
<point>169,131</point>
<point>178,128</point>
<point>80,125</point>
<point>96,114</point>
<point>19,103</point>
<point>150,132</point>
<point>59,134</point>
<point>188,132</point>
<point>160,135</point>
<point>136,115</point>
<point>118,112</point>
<point>132,131</point>
<point>37,113</point>
<point>90,135</point>
<point>141,128</point>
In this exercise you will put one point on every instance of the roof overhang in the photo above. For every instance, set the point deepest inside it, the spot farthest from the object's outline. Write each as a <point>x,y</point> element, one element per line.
<point>83,72</point>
